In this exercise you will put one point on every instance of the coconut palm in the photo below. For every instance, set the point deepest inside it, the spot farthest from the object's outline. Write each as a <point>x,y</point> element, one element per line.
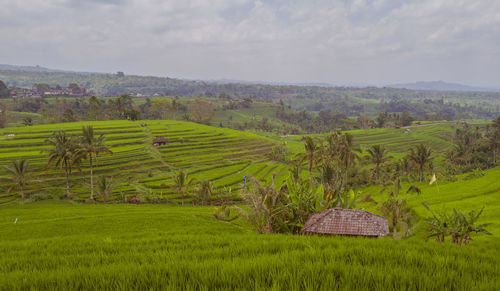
<point>105,187</point>
<point>205,190</point>
<point>91,146</point>
<point>20,175</point>
<point>181,183</point>
<point>327,178</point>
<point>311,148</point>
<point>396,209</point>
<point>493,140</point>
<point>348,153</point>
<point>64,154</point>
<point>378,156</point>
<point>421,155</point>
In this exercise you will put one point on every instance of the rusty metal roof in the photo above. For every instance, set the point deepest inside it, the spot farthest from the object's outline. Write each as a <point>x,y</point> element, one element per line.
<point>346,222</point>
<point>160,139</point>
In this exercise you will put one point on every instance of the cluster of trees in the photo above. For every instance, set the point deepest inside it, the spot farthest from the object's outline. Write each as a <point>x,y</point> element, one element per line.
<point>121,107</point>
<point>285,208</point>
<point>392,120</point>
<point>328,121</point>
<point>459,226</point>
<point>475,147</point>
<point>436,109</point>
<point>334,164</point>
<point>422,105</point>
<point>65,153</point>
<point>4,91</point>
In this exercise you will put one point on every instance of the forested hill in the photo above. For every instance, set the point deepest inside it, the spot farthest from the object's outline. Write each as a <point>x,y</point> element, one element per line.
<point>115,84</point>
<point>351,100</point>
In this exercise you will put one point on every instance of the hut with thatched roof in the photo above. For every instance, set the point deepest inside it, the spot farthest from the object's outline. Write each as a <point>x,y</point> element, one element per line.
<point>159,141</point>
<point>346,222</point>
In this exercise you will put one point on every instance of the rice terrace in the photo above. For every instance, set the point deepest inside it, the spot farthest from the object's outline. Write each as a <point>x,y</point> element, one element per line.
<point>249,145</point>
<point>139,235</point>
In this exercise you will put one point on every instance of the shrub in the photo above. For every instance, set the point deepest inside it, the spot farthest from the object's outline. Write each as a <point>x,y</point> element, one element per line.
<point>39,197</point>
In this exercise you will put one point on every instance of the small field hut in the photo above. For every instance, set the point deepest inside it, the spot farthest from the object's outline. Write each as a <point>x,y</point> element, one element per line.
<point>159,141</point>
<point>346,222</point>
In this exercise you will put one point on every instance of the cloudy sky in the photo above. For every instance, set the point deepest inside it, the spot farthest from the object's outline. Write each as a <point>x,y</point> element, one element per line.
<point>335,41</point>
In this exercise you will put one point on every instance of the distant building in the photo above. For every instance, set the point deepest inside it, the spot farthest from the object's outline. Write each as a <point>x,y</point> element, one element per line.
<point>159,141</point>
<point>74,91</point>
<point>354,222</point>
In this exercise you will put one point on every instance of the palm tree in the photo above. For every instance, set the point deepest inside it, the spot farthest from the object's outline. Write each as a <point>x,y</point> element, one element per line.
<point>327,177</point>
<point>421,155</point>
<point>205,190</point>
<point>105,187</point>
<point>265,205</point>
<point>28,121</point>
<point>311,148</point>
<point>493,139</point>
<point>348,153</point>
<point>64,154</point>
<point>396,209</point>
<point>181,182</point>
<point>20,175</point>
<point>91,146</point>
<point>378,156</point>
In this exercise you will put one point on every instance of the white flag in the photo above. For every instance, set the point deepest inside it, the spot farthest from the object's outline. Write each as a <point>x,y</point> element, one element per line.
<point>433,179</point>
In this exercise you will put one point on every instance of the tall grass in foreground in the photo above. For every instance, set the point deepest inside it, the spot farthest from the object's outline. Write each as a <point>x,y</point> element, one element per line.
<point>58,245</point>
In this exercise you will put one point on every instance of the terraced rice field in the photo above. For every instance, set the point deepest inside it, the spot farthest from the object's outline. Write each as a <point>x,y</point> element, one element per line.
<point>206,153</point>
<point>396,140</point>
<point>70,246</point>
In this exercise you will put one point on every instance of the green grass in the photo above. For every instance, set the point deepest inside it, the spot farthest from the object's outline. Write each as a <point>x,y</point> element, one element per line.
<point>65,245</point>
<point>396,140</point>
<point>62,245</point>
<point>464,194</point>
<point>207,153</point>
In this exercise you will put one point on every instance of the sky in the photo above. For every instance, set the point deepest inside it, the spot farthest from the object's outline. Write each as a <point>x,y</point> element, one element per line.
<point>337,41</point>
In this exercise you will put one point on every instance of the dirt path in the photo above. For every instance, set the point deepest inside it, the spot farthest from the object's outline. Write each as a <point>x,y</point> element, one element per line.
<point>148,145</point>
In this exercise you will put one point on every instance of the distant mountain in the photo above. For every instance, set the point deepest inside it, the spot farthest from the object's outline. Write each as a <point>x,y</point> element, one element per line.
<point>442,86</point>
<point>38,68</point>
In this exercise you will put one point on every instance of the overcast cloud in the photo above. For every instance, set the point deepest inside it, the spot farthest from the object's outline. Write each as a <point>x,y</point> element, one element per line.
<point>336,41</point>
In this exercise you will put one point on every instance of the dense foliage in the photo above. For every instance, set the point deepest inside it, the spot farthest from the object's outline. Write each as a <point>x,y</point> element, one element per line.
<point>423,105</point>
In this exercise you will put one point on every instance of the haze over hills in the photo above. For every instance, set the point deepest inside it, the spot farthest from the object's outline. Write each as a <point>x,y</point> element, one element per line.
<point>442,86</point>
<point>38,68</point>
<point>420,85</point>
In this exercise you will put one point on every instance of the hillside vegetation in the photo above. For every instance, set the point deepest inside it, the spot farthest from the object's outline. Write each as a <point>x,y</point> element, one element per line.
<point>74,246</point>
<point>63,244</point>
<point>434,105</point>
<point>222,156</point>
<point>397,140</point>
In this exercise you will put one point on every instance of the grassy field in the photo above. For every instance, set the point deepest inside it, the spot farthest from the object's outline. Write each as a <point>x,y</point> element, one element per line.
<point>223,156</point>
<point>63,245</point>
<point>56,244</point>
<point>396,140</point>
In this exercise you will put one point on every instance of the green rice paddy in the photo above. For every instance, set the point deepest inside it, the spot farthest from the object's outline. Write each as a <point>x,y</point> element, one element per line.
<point>66,245</point>
<point>222,156</point>
<point>396,140</point>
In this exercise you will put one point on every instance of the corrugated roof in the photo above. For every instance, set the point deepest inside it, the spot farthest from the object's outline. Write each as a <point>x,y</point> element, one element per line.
<point>346,222</point>
<point>160,139</point>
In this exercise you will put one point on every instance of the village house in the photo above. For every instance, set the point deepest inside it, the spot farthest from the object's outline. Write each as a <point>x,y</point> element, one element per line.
<point>352,222</point>
<point>34,92</point>
<point>159,141</point>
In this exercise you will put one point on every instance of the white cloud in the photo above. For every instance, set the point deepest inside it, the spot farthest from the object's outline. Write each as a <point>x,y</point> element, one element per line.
<point>371,41</point>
